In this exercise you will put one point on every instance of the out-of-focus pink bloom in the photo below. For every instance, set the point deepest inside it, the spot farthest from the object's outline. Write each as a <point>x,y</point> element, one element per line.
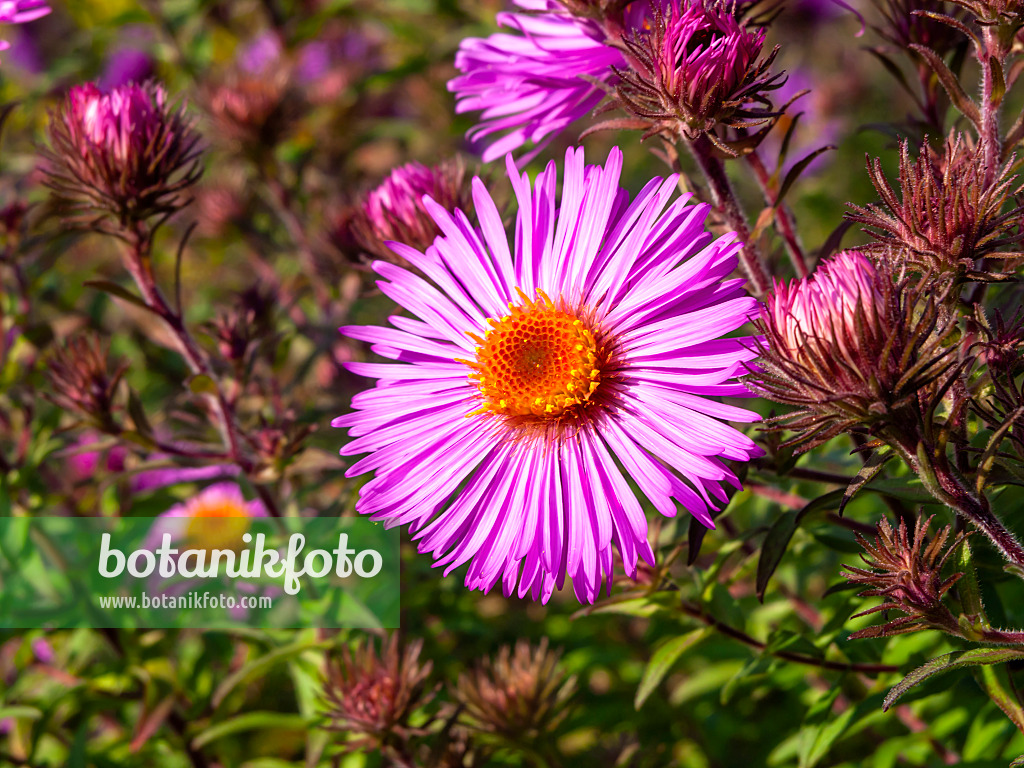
<point>43,651</point>
<point>124,66</point>
<point>261,53</point>
<point>820,122</point>
<point>84,464</point>
<point>159,478</point>
<point>214,518</point>
<point>20,12</point>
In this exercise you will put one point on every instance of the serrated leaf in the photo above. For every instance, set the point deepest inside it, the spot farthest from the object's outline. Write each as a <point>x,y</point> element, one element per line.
<point>947,663</point>
<point>663,660</point>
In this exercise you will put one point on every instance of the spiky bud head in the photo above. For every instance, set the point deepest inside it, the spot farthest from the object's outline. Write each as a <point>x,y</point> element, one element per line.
<point>128,153</point>
<point>851,348</point>
<point>949,210</point>
<point>695,66</point>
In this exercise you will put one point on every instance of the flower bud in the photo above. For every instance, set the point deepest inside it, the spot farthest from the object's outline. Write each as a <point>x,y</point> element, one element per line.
<point>372,695</point>
<point>82,380</point>
<point>947,213</point>
<point>518,695</point>
<point>695,66</point>
<point>394,210</point>
<point>126,153</point>
<point>908,576</point>
<point>851,349</point>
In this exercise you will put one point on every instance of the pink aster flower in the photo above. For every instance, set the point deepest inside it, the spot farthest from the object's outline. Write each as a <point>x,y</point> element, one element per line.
<point>20,12</point>
<point>531,85</point>
<point>214,518</point>
<point>536,379</point>
<point>694,66</point>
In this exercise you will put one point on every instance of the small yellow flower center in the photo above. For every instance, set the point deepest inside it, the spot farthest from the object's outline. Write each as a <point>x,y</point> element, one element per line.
<point>537,361</point>
<point>216,523</point>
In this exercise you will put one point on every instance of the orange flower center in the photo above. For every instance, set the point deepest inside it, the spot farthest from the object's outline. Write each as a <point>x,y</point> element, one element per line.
<point>216,522</point>
<point>537,361</point>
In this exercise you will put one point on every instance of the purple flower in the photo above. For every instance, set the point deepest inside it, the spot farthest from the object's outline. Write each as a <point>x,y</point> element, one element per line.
<point>20,12</point>
<point>124,66</point>
<point>530,86</point>
<point>692,66</point>
<point>533,374</point>
<point>43,651</point>
<point>262,53</point>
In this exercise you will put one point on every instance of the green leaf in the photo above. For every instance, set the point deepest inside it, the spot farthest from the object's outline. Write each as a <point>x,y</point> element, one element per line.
<point>262,664</point>
<point>138,414</point>
<point>796,170</point>
<point>663,660</point>
<point>822,730</point>
<point>250,721</point>
<point>948,662</point>
<point>998,81</point>
<point>25,713</point>
<point>867,473</point>
<point>779,535</point>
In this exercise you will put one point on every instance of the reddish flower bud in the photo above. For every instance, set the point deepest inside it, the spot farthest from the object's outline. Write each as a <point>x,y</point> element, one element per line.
<point>850,348</point>
<point>127,153</point>
<point>518,695</point>
<point>372,696</point>
<point>947,213</point>
<point>908,575</point>
<point>695,67</point>
<point>82,380</point>
<point>394,210</point>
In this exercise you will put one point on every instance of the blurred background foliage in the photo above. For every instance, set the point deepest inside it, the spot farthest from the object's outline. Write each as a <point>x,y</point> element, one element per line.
<point>687,668</point>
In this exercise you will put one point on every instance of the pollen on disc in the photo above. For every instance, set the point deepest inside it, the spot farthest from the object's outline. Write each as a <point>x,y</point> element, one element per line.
<point>539,360</point>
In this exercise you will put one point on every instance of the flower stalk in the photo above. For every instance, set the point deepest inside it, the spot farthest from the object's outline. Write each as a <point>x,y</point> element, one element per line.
<point>724,199</point>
